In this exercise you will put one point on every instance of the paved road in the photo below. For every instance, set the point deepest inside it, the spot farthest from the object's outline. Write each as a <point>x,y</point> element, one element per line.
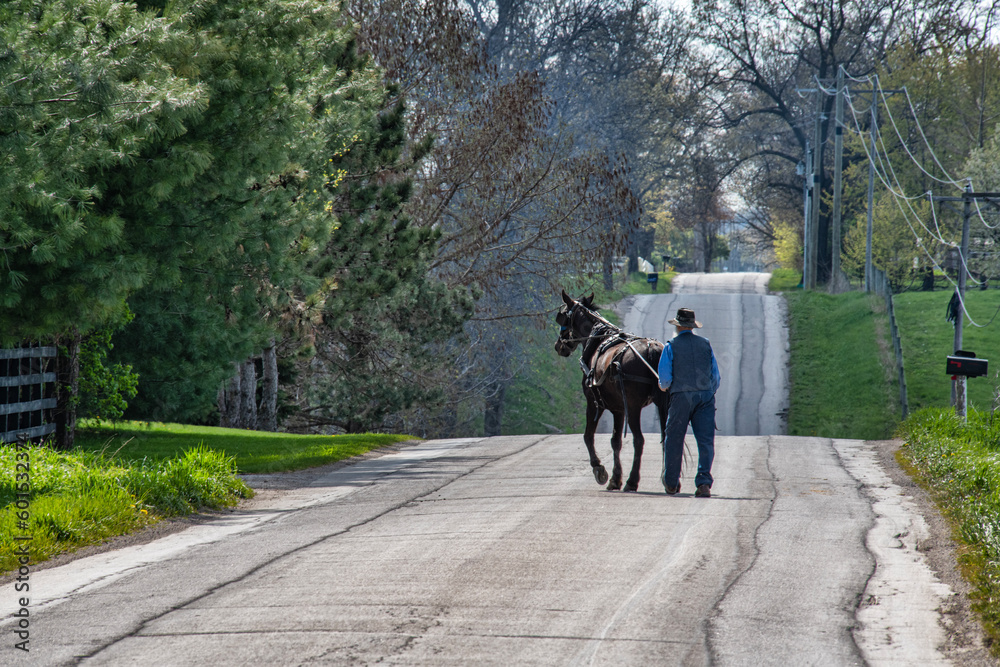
<point>504,551</point>
<point>747,328</point>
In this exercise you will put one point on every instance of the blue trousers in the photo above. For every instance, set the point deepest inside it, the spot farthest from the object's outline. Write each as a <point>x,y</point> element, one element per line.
<point>698,409</point>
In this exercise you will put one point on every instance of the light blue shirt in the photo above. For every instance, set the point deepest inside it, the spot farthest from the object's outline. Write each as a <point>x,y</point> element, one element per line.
<point>666,367</point>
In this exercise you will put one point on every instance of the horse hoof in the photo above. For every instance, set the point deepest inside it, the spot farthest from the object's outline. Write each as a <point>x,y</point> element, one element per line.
<point>600,474</point>
<point>614,486</point>
<point>630,489</point>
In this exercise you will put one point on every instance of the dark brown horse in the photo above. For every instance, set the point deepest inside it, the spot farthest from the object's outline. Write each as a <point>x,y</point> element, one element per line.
<point>619,375</point>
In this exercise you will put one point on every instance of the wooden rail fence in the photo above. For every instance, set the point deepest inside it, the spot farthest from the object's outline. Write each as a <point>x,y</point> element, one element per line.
<point>27,392</point>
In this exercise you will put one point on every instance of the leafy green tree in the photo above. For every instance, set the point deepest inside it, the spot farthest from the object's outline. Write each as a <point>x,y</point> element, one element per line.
<point>930,140</point>
<point>105,389</point>
<point>186,157</point>
<point>894,244</point>
<point>787,245</point>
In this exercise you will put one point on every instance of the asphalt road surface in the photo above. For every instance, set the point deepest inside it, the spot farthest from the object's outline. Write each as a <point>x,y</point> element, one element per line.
<point>747,328</point>
<point>504,551</point>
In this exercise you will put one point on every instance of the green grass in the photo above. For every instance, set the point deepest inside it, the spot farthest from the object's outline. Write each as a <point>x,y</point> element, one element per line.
<point>783,280</point>
<point>928,338</point>
<point>839,384</point>
<point>80,498</point>
<point>251,451</point>
<point>960,464</point>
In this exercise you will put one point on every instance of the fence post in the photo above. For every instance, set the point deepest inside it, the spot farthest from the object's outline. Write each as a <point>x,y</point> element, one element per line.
<point>881,284</point>
<point>67,392</point>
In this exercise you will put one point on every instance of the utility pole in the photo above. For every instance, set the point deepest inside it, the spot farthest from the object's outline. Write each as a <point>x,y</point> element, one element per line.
<point>838,166</point>
<point>961,394</point>
<point>806,185</point>
<point>817,183</point>
<point>869,275</point>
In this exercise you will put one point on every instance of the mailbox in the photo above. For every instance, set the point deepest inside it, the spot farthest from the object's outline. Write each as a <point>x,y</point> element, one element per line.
<point>966,363</point>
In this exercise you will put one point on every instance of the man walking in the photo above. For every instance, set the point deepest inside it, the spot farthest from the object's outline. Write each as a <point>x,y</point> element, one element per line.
<point>689,370</point>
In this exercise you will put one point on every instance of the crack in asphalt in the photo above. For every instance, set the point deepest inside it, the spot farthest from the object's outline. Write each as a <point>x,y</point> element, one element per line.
<point>711,651</point>
<point>270,561</point>
<point>313,631</point>
<point>861,600</point>
<point>862,491</point>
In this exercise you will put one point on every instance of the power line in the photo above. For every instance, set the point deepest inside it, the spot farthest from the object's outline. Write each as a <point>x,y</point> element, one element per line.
<point>880,163</point>
<point>886,169</point>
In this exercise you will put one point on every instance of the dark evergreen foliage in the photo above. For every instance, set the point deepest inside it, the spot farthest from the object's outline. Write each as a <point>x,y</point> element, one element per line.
<point>387,321</point>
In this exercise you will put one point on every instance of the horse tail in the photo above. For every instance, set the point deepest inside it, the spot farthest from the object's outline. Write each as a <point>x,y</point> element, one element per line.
<point>653,352</point>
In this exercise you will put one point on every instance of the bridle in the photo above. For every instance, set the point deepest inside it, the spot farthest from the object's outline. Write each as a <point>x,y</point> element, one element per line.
<point>564,318</point>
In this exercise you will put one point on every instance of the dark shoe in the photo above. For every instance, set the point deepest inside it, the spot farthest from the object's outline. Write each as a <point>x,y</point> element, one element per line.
<point>703,491</point>
<point>672,490</point>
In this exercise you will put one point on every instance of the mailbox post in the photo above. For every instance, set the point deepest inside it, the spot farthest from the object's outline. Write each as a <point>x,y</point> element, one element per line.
<point>652,279</point>
<point>960,366</point>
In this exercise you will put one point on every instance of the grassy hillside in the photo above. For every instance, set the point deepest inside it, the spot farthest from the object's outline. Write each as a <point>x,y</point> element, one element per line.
<point>928,338</point>
<point>841,380</point>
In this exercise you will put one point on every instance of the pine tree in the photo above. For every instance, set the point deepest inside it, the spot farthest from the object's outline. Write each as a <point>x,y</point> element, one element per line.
<point>386,321</point>
<point>231,218</point>
<point>83,88</point>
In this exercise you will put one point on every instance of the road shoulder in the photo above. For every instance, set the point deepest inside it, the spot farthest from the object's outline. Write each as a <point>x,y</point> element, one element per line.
<point>269,489</point>
<point>965,644</point>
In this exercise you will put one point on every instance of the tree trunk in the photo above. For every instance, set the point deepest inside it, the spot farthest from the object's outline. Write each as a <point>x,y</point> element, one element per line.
<point>493,419</point>
<point>68,392</point>
<point>698,254</point>
<point>927,281</point>
<point>248,395</point>
<point>268,415</point>
<point>229,401</point>
<point>608,270</point>
<point>707,246</point>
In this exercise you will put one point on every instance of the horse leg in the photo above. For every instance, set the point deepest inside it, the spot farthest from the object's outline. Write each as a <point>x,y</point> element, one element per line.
<point>638,441</point>
<point>616,448</point>
<point>593,416</point>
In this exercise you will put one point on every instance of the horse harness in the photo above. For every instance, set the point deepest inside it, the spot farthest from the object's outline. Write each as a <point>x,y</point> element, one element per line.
<point>613,336</point>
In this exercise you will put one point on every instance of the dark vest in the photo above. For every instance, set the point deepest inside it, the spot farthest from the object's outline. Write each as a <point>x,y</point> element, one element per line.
<point>692,363</point>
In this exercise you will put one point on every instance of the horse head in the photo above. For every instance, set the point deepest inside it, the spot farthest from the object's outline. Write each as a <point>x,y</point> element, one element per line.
<point>574,325</point>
